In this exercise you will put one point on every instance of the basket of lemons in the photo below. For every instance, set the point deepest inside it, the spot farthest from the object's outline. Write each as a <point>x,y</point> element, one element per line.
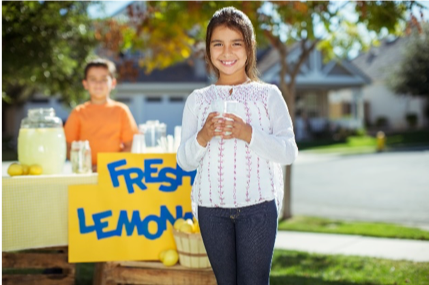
<point>189,243</point>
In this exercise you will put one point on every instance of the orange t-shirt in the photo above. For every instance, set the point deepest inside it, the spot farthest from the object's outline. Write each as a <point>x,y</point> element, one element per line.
<point>105,126</point>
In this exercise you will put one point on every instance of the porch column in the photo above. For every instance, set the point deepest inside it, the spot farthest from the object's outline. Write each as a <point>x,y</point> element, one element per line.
<point>358,107</point>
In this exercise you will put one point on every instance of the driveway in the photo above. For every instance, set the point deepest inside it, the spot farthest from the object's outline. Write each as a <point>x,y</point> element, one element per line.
<point>389,187</point>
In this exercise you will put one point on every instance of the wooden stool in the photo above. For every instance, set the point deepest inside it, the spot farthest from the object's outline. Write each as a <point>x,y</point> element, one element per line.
<point>150,273</point>
<point>44,266</point>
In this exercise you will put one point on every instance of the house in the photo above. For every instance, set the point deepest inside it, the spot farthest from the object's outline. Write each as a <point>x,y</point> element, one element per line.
<point>316,79</point>
<point>384,108</point>
<point>161,95</point>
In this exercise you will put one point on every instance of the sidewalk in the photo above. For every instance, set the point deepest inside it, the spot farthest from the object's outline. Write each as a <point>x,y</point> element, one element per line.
<point>398,249</point>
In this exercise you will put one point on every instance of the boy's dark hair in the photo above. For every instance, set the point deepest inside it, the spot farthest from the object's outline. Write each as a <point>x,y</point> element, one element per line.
<point>101,62</point>
<point>237,20</point>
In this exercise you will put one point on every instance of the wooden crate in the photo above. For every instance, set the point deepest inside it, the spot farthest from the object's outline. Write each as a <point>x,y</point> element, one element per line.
<point>151,273</point>
<point>47,266</point>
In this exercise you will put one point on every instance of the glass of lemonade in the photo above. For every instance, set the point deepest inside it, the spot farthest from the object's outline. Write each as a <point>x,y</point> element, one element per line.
<point>41,141</point>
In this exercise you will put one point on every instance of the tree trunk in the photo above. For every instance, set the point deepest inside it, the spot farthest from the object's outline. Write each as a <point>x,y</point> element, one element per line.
<point>290,102</point>
<point>289,96</point>
<point>288,92</point>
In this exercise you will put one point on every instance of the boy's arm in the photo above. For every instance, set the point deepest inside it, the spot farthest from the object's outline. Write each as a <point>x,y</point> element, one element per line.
<point>71,130</point>
<point>127,147</point>
<point>68,150</point>
<point>129,129</point>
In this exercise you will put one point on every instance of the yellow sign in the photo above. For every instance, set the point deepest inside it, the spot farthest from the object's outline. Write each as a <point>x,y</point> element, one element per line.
<point>130,214</point>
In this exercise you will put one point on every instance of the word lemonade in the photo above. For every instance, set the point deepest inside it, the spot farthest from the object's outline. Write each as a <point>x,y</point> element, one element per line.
<point>169,179</point>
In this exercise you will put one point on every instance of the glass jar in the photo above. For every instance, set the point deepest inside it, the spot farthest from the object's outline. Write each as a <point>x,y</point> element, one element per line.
<point>80,157</point>
<point>42,141</point>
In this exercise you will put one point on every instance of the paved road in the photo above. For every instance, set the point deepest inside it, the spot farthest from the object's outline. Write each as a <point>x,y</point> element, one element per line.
<point>390,187</point>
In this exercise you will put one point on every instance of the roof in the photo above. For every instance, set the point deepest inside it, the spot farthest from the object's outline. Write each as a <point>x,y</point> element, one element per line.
<point>314,73</point>
<point>378,61</point>
<point>182,72</point>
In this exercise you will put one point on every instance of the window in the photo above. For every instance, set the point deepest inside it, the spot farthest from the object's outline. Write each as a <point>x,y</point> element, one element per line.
<point>176,99</point>
<point>153,99</point>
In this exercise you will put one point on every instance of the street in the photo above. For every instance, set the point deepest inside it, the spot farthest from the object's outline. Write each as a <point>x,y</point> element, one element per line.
<point>389,187</point>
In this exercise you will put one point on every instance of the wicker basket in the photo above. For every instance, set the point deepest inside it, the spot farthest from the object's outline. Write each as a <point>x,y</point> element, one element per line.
<point>192,252</point>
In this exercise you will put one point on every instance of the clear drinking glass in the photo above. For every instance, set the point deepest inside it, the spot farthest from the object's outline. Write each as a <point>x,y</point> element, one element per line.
<point>231,107</point>
<point>218,106</point>
<point>80,157</point>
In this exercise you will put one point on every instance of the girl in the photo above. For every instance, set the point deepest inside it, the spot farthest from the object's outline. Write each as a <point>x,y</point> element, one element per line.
<point>238,190</point>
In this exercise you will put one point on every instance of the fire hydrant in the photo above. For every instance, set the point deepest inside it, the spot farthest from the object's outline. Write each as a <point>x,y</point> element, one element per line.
<point>381,141</point>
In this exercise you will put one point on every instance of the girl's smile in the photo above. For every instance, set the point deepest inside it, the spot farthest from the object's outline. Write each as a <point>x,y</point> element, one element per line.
<point>228,63</point>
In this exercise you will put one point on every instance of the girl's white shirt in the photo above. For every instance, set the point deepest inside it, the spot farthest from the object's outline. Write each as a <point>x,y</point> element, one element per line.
<point>232,173</point>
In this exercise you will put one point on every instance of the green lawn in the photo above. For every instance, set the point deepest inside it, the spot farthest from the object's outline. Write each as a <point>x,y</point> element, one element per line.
<point>299,268</point>
<point>353,145</point>
<point>323,225</point>
<point>368,144</point>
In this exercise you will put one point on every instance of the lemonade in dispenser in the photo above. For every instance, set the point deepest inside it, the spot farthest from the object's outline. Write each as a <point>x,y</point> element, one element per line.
<point>41,141</point>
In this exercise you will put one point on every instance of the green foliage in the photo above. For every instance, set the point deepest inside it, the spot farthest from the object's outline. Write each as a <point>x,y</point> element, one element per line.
<point>299,268</point>
<point>45,45</point>
<point>412,75</point>
<point>323,225</point>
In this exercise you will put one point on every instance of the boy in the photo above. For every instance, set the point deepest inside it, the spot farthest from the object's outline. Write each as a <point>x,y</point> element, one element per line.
<point>108,125</point>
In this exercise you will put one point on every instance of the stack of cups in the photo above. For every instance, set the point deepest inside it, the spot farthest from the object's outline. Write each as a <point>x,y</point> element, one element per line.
<point>139,145</point>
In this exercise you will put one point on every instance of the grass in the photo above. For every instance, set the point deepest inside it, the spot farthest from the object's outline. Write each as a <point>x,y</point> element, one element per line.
<point>299,268</point>
<point>353,145</point>
<point>407,139</point>
<point>323,225</point>
<point>84,273</point>
<point>368,144</point>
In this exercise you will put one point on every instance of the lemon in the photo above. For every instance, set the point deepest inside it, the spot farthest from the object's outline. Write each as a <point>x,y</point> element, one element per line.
<point>196,228</point>
<point>35,169</point>
<point>162,255</point>
<point>178,223</point>
<point>15,169</point>
<point>186,228</point>
<point>170,257</point>
<point>25,169</point>
<point>189,221</point>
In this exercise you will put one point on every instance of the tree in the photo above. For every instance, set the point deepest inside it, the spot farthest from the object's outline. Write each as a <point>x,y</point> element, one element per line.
<point>412,75</point>
<point>45,45</point>
<point>167,34</point>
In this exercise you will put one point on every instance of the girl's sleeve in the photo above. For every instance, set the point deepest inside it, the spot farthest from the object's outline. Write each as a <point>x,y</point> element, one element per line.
<point>190,151</point>
<point>280,146</point>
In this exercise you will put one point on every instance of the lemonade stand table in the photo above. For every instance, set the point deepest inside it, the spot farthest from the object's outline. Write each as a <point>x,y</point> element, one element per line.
<point>34,213</point>
<point>34,218</point>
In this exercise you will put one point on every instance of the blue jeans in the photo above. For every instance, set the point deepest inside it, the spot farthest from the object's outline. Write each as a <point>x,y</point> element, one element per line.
<point>240,242</point>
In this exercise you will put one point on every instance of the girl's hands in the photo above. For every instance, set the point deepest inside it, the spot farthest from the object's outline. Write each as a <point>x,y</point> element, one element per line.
<point>208,130</point>
<point>236,128</point>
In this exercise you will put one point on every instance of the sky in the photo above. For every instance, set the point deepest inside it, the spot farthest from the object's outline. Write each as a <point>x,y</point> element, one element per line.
<point>110,7</point>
